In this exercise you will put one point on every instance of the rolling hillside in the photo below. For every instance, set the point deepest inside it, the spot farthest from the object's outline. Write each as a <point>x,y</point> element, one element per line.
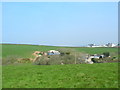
<point>26,51</point>
<point>28,75</point>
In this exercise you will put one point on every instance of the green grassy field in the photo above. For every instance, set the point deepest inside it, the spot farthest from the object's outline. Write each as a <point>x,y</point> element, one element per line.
<point>100,75</point>
<point>26,51</point>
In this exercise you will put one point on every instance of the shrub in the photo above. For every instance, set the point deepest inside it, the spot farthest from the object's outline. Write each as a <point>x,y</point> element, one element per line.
<point>41,61</point>
<point>10,60</point>
<point>80,57</point>
<point>66,51</point>
<point>67,59</point>
<point>76,57</point>
<point>114,55</point>
<point>54,60</point>
<point>67,56</point>
<point>106,54</point>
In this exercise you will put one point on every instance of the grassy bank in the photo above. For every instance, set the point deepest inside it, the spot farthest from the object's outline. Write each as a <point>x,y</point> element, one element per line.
<point>25,51</point>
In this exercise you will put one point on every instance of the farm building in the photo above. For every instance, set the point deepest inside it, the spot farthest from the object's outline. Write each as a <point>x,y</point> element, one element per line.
<point>97,56</point>
<point>53,52</point>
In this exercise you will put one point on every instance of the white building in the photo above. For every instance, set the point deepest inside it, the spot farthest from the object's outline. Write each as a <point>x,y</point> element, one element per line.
<point>106,45</point>
<point>111,45</point>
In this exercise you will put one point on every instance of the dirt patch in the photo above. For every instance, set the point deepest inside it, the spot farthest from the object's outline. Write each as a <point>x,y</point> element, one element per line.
<point>24,60</point>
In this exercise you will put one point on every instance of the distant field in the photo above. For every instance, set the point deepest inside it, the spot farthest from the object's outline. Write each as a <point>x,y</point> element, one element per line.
<point>23,50</point>
<point>97,50</point>
<point>27,50</point>
<point>99,75</point>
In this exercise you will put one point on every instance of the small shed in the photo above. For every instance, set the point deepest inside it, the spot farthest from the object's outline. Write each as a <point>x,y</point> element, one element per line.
<point>53,52</point>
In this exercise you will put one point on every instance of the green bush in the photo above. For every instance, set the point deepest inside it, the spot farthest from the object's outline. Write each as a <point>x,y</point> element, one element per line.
<point>67,56</point>
<point>80,57</point>
<point>41,61</point>
<point>106,59</point>
<point>114,55</point>
<point>106,54</point>
<point>54,60</point>
<point>10,60</point>
<point>67,59</point>
<point>66,51</point>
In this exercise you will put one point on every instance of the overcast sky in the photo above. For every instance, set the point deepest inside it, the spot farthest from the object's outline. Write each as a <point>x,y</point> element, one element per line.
<point>60,23</point>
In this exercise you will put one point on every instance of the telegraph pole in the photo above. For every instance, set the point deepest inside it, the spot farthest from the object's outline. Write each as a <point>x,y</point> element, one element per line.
<point>75,57</point>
